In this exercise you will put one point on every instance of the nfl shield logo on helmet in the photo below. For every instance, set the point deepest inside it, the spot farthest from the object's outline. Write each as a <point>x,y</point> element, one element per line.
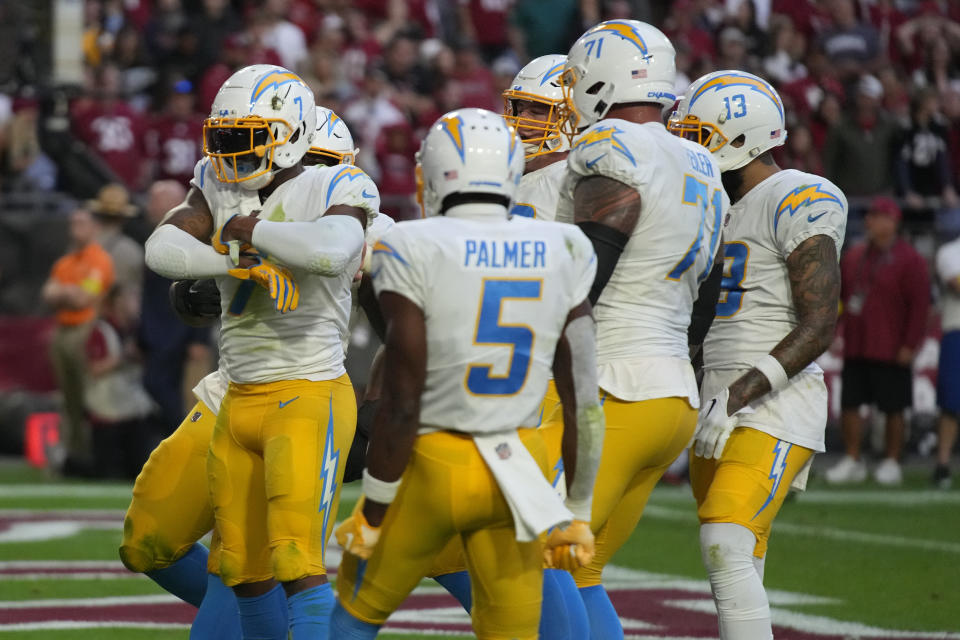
<point>503,450</point>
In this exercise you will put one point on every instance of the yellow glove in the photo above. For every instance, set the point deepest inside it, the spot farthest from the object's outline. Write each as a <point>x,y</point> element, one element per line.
<point>278,282</point>
<point>231,248</point>
<point>569,548</point>
<point>355,534</point>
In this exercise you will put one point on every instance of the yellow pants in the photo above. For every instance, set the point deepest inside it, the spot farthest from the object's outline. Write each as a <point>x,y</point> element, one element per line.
<point>447,492</point>
<point>748,484</point>
<point>451,559</point>
<point>275,469</point>
<point>170,509</point>
<point>640,442</point>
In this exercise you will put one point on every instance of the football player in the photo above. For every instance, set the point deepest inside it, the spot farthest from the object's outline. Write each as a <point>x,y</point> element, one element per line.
<point>652,205</point>
<point>781,284</point>
<point>268,230</point>
<point>478,304</point>
<point>168,514</point>
<point>532,106</point>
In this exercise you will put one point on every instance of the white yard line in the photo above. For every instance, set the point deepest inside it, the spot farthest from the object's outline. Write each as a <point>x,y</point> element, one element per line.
<point>847,535</point>
<point>889,497</point>
<point>59,625</point>
<point>105,601</point>
<point>66,490</point>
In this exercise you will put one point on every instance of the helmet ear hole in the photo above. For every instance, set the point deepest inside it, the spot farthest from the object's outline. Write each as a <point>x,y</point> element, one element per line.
<point>595,88</point>
<point>739,141</point>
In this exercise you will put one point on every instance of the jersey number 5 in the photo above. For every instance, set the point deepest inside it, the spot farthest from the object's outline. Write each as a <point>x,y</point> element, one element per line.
<point>490,331</point>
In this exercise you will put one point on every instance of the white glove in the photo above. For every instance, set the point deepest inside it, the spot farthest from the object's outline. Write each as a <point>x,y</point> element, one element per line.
<point>714,427</point>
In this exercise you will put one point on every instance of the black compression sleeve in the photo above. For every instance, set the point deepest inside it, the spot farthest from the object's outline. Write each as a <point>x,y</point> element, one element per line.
<point>608,243</point>
<point>705,307</point>
<point>357,458</point>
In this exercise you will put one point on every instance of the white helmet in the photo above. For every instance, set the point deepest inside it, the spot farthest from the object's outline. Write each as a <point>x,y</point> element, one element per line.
<point>332,144</point>
<point>538,82</point>
<point>616,62</point>
<point>734,114</point>
<point>262,120</point>
<point>468,151</point>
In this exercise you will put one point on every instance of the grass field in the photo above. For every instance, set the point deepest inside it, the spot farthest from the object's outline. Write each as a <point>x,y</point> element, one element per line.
<point>854,563</point>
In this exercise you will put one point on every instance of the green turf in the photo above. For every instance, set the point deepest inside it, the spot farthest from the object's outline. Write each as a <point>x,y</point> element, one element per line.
<point>876,582</point>
<point>86,545</point>
<point>94,588</point>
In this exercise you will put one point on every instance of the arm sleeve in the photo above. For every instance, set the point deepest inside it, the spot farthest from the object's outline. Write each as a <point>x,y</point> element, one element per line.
<point>583,262</point>
<point>324,247</point>
<point>173,253</point>
<point>393,269</point>
<point>705,306</point>
<point>581,336</point>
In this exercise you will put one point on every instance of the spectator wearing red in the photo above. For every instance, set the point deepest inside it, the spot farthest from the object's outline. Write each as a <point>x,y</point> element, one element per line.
<point>682,28</point>
<point>173,139</point>
<point>112,129</point>
<point>397,183</point>
<point>885,291</point>
<point>485,22</point>
<point>478,86</point>
<point>116,403</point>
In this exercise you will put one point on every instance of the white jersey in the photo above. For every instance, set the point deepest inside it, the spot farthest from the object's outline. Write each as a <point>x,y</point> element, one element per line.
<point>644,310</point>
<point>495,295</point>
<point>258,344</point>
<point>211,389</point>
<point>756,310</point>
<point>948,269</point>
<point>538,192</point>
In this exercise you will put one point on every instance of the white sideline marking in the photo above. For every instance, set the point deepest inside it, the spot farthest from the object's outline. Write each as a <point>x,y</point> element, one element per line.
<point>51,529</point>
<point>88,624</point>
<point>66,491</point>
<point>105,601</point>
<point>821,625</point>
<point>892,497</point>
<point>676,515</point>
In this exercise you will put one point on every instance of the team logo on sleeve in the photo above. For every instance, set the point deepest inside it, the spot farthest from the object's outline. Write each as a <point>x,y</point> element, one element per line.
<point>603,133</point>
<point>624,30</point>
<point>801,196</point>
<point>345,173</point>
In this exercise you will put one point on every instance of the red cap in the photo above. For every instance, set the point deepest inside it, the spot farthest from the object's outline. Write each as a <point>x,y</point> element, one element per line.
<point>885,205</point>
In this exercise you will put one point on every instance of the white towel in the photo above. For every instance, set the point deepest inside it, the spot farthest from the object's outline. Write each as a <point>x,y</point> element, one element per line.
<point>534,504</point>
<point>800,480</point>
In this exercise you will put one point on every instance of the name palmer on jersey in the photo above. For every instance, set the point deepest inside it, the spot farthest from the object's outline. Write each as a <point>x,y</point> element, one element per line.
<point>257,344</point>
<point>497,294</point>
<point>651,291</point>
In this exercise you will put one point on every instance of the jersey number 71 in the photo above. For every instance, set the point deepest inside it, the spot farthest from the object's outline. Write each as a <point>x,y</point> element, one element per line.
<point>480,379</point>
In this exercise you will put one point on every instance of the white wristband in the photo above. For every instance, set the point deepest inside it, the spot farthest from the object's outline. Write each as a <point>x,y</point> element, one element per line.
<point>378,490</point>
<point>773,370</point>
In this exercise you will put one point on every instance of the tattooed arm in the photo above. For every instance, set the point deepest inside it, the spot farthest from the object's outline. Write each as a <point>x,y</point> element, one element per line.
<point>179,248</point>
<point>607,211</point>
<point>815,286</point>
<point>192,215</point>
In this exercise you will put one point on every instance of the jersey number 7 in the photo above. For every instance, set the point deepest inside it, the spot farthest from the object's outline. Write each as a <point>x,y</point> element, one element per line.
<point>519,338</point>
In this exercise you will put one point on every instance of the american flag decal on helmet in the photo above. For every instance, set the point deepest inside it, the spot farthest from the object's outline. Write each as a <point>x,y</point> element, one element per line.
<point>450,175</point>
<point>638,74</point>
<point>775,134</point>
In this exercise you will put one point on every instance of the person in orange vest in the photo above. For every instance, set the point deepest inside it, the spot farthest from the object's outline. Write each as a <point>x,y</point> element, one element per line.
<point>77,283</point>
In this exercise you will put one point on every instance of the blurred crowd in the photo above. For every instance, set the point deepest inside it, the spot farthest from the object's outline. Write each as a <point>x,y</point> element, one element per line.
<point>871,88</point>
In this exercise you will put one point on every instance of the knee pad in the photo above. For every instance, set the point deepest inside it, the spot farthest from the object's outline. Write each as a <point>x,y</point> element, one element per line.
<point>738,593</point>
